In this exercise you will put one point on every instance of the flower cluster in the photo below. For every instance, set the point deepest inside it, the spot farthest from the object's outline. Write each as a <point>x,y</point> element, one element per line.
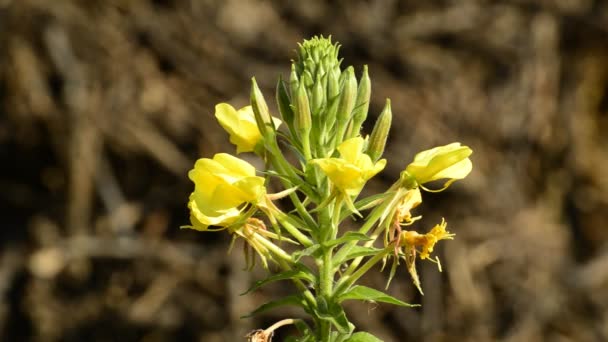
<point>323,108</point>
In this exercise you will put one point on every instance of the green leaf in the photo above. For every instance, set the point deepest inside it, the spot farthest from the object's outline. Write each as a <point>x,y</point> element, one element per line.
<point>333,313</point>
<point>365,293</point>
<point>355,252</point>
<point>348,236</point>
<point>293,300</point>
<point>300,273</point>
<point>363,336</point>
<point>285,109</point>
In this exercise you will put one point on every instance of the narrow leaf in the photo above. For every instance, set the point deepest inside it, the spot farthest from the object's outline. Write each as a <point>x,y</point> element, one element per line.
<point>365,293</point>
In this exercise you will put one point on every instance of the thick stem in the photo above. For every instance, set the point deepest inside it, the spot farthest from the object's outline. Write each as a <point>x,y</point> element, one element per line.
<point>326,285</point>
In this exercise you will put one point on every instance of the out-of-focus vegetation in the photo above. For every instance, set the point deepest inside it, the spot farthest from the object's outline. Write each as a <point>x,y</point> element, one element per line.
<point>105,105</point>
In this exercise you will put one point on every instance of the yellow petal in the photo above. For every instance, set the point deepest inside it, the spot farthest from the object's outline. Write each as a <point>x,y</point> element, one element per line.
<point>240,125</point>
<point>222,185</point>
<point>202,217</point>
<point>351,149</point>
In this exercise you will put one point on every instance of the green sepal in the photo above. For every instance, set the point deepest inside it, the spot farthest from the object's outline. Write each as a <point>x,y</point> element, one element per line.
<point>360,292</point>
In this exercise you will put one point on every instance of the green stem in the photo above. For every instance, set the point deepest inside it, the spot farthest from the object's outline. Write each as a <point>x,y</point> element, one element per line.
<point>305,139</point>
<point>326,285</point>
<point>335,215</point>
<point>326,272</point>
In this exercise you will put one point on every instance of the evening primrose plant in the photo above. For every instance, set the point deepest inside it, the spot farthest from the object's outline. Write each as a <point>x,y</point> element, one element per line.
<point>322,108</point>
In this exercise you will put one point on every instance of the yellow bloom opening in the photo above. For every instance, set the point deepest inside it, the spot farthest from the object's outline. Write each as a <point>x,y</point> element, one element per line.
<point>241,126</point>
<point>350,172</point>
<point>221,186</point>
<point>443,162</point>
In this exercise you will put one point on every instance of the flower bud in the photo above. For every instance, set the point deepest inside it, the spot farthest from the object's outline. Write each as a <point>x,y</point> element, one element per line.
<point>294,82</point>
<point>333,100</point>
<point>260,109</point>
<point>316,56</point>
<point>377,140</point>
<point>361,105</point>
<point>347,103</point>
<point>303,115</point>
<point>333,84</point>
<point>318,97</point>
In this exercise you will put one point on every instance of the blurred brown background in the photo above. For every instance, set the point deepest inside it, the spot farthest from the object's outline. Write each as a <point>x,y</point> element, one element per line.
<point>105,105</point>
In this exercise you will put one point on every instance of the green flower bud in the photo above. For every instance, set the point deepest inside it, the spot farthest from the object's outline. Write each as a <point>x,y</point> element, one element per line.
<point>260,109</point>
<point>346,105</point>
<point>303,115</point>
<point>377,140</point>
<point>303,120</point>
<point>318,97</point>
<point>361,106</point>
<point>294,82</point>
<point>333,84</point>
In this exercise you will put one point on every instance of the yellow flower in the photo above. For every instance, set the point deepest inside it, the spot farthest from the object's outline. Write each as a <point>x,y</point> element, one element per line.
<point>221,186</point>
<point>350,172</point>
<point>444,162</point>
<point>241,126</point>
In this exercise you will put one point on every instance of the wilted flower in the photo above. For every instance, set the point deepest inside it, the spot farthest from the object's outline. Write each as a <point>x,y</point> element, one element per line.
<point>444,162</point>
<point>241,126</point>
<point>350,172</point>
<point>408,244</point>
<point>426,241</point>
<point>221,186</point>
